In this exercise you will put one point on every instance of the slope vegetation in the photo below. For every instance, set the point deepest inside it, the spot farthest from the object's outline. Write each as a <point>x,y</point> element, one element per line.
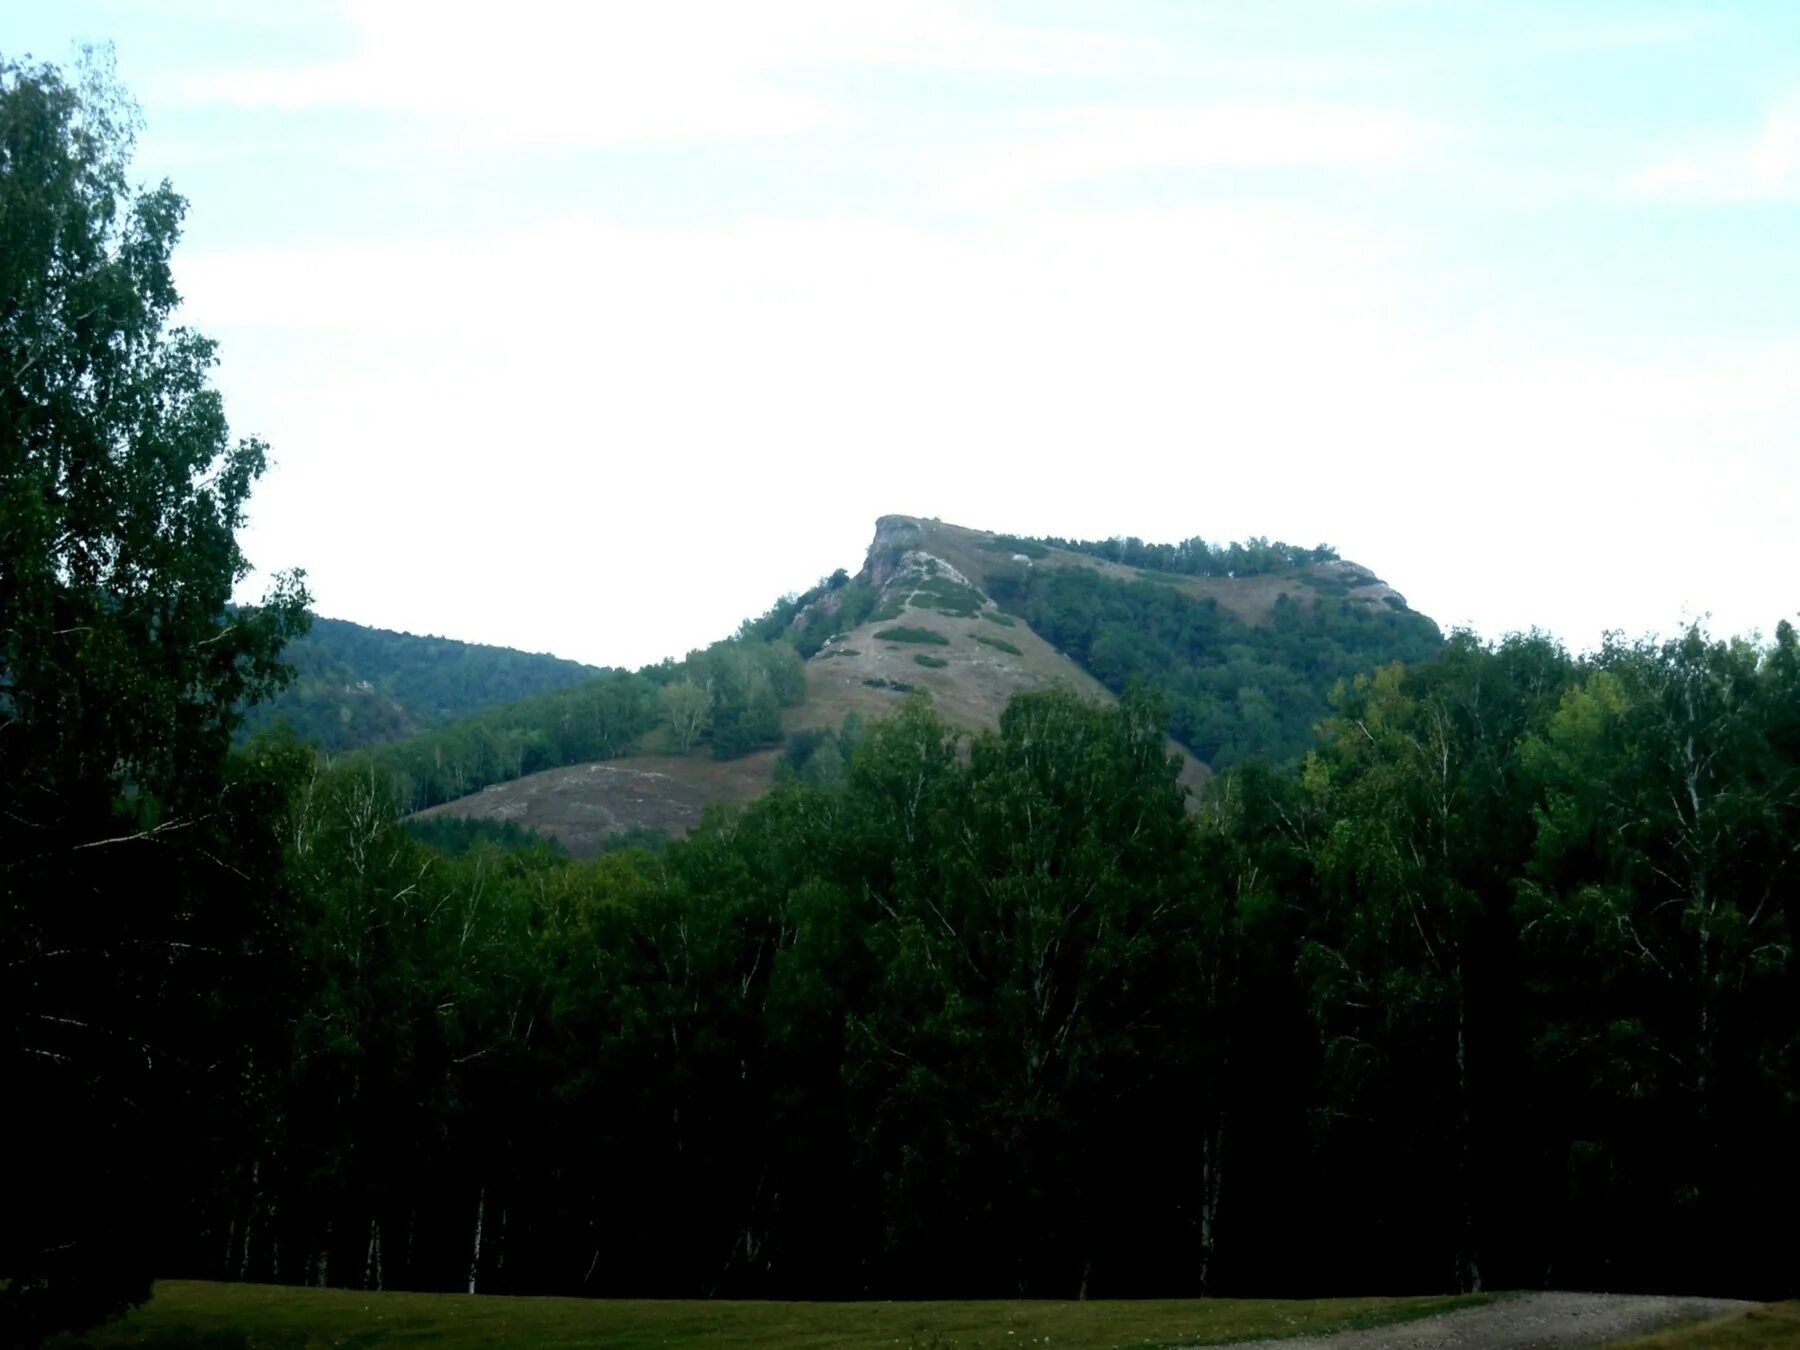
<point>962,618</point>
<point>357,686</point>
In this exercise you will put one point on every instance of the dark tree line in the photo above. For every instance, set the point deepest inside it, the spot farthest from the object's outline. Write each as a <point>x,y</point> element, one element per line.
<point>1195,557</point>
<point>1235,690</point>
<point>1495,989</point>
<point>124,825</point>
<point>727,698</point>
<point>354,686</point>
<point>1496,984</point>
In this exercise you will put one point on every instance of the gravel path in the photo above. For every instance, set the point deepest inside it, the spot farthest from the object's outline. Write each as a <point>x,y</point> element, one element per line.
<point>1526,1322</point>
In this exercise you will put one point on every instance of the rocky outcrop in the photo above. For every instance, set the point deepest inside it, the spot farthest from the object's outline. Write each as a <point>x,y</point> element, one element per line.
<point>895,536</point>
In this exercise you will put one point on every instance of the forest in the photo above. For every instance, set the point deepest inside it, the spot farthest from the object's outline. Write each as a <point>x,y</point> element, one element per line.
<point>1195,557</point>
<point>1486,982</point>
<point>1235,691</point>
<point>354,686</point>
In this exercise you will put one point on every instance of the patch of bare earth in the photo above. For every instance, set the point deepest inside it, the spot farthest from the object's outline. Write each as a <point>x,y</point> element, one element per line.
<point>583,805</point>
<point>1251,599</point>
<point>1537,1321</point>
<point>863,673</point>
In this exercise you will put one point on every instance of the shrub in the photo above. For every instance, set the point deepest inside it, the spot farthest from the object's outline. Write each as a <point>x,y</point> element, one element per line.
<point>925,635</point>
<point>999,644</point>
<point>948,597</point>
<point>898,686</point>
<point>1011,543</point>
<point>935,662</point>
<point>995,616</point>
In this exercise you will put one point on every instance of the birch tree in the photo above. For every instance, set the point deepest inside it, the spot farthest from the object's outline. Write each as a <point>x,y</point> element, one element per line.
<point>121,677</point>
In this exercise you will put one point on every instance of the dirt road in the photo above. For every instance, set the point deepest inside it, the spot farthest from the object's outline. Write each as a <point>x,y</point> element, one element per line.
<point>1526,1322</point>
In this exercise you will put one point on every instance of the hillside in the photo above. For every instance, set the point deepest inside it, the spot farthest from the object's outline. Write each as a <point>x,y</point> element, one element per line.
<point>357,686</point>
<point>991,602</point>
<point>967,619</point>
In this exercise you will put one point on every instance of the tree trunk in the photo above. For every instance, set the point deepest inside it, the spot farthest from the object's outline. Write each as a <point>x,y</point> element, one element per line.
<point>1212,1147</point>
<point>475,1252</point>
<point>372,1261</point>
<point>243,1271</point>
<point>1468,1262</point>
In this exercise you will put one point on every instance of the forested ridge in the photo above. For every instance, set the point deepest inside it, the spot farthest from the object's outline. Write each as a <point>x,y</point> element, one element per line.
<point>1194,556</point>
<point>1235,690</point>
<point>1496,989</point>
<point>353,686</point>
<point>725,699</point>
<point>1474,969</point>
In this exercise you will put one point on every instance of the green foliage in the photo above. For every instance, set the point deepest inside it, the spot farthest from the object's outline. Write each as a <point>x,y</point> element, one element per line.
<point>819,758</point>
<point>457,835</point>
<point>1495,979</point>
<point>355,686</point>
<point>598,719</point>
<point>925,635</point>
<point>637,839</point>
<point>1328,585</point>
<point>933,662</point>
<point>998,644</point>
<point>686,707</point>
<point>1010,543</point>
<point>805,619</point>
<point>132,856</point>
<point>898,686</point>
<point>947,596</point>
<point>994,616</point>
<point>999,1013</point>
<point>1197,558</point>
<point>728,696</point>
<point>1235,691</point>
<point>1572,885</point>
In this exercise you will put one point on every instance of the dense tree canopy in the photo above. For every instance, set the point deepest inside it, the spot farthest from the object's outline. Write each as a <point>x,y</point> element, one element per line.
<point>728,696</point>
<point>120,496</point>
<point>1474,967</point>
<point>355,686</point>
<point>1196,558</point>
<point>1235,690</point>
<point>1473,996</point>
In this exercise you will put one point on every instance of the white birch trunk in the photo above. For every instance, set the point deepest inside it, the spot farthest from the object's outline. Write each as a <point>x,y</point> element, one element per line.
<point>1211,1172</point>
<point>372,1261</point>
<point>475,1252</point>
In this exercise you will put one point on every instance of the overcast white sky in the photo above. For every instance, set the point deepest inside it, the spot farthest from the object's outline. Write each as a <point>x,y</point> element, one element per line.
<point>592,328</point>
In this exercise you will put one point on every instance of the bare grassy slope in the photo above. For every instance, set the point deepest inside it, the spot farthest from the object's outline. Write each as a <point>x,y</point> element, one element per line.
<point>864,673</point>
<point>585,804</point>
<point>930,578</point>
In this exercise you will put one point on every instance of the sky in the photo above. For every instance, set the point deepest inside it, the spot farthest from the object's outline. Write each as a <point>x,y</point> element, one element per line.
<point>592,328</point>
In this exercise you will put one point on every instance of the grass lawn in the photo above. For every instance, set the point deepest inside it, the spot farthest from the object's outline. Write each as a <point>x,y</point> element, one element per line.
<point>272,1317</point>
<point>1774,1324</point>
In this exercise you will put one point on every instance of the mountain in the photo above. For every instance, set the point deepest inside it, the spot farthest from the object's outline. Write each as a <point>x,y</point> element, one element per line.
<point>1243,645</point>
<point>357,686</point>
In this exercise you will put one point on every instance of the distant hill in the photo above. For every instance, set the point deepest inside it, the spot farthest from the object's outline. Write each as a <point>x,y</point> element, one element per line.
<point>1246,663</point>
<point>964,618</point>
<point>356,686</point>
